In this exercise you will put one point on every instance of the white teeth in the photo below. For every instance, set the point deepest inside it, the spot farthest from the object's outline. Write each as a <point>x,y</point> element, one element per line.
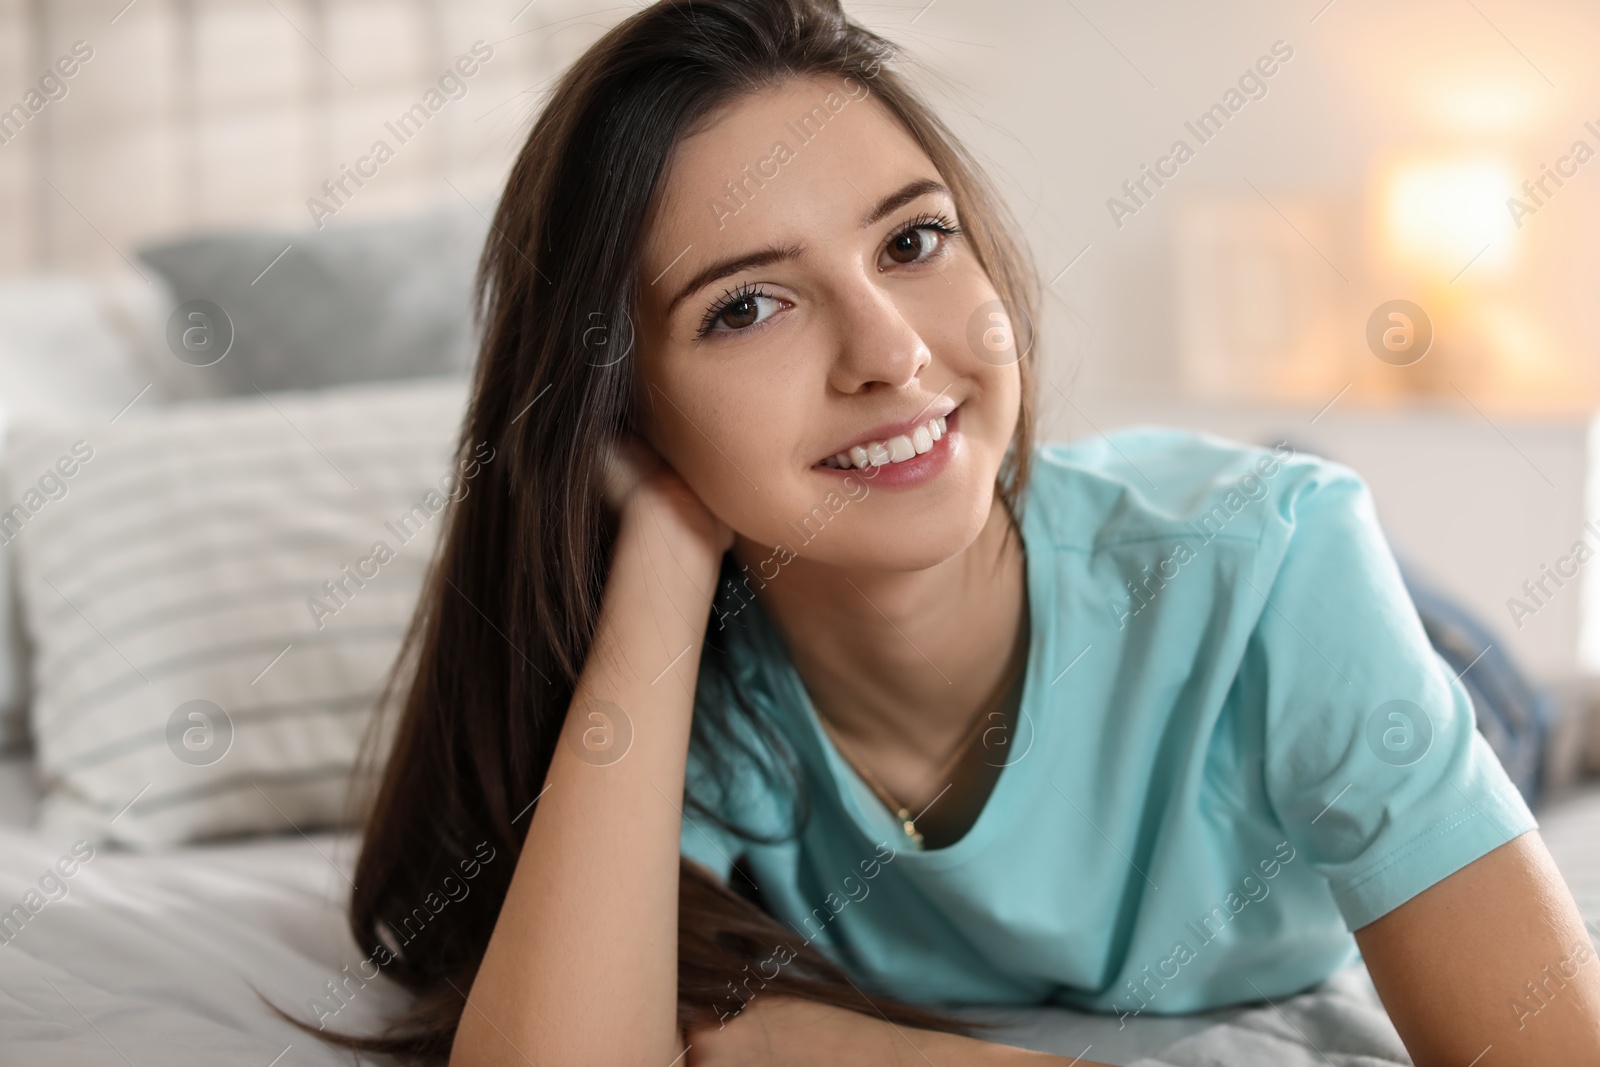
<point>896,449</point>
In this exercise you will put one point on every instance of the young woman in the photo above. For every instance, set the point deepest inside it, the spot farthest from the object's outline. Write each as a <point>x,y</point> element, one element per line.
<point>776,691</point>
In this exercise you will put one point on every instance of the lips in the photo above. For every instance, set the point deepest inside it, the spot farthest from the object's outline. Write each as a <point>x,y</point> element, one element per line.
<point>895,442</point>
<point>895,449</point>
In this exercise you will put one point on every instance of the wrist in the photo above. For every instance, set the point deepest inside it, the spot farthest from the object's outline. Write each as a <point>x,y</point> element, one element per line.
<point>671,550</point>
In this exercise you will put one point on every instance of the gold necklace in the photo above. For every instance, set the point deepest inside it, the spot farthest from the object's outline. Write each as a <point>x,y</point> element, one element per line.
<point>901,812</point>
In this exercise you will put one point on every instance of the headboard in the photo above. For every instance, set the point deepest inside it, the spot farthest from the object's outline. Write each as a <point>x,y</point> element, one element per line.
<point>177,115</point>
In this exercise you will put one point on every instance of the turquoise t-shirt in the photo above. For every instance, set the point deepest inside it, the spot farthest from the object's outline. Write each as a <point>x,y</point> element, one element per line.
<point>1235,746</point>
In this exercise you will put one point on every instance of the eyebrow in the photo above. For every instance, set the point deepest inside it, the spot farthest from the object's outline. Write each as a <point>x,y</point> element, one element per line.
<point>901,197</point>
<point>723,268</point>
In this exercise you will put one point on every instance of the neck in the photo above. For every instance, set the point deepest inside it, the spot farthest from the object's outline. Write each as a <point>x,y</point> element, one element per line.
<point>899,662</point>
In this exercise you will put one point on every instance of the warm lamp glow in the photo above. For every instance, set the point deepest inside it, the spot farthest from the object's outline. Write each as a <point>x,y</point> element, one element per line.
<point>1480,107</point>
<point>1439,215</point>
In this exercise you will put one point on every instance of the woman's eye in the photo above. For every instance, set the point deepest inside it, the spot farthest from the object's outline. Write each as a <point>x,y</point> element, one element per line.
<point>743,312</point>
<point>917,243</point>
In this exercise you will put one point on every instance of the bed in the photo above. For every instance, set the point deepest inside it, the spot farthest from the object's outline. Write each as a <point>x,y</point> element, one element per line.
<point>160,959</point>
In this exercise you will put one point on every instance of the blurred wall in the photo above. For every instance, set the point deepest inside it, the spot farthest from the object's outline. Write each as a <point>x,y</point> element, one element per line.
<point>1479,454</point>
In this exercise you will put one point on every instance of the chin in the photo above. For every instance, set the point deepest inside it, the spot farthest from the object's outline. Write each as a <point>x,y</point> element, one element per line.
<point>885,532</point>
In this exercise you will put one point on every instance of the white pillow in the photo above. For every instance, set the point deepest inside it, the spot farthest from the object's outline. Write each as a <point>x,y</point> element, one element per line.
<point>70,347</point>
<point>223,552</point>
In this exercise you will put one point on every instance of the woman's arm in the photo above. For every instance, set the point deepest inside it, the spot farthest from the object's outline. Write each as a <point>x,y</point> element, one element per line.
<point>1491,966</point>
<point>582,967</point>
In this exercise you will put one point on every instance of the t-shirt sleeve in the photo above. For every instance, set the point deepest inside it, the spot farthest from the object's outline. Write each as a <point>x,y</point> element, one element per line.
<point>1374,764</point>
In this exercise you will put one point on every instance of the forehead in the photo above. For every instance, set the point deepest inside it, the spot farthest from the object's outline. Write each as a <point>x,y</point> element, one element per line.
<point>808,156</point>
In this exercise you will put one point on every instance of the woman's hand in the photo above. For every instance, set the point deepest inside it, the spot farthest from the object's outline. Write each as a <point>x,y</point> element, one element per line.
<point>642,488</point>
<point>789,1032</point>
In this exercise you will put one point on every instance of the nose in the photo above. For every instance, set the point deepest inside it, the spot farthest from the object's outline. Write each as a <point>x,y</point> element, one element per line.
<point>877,344</point>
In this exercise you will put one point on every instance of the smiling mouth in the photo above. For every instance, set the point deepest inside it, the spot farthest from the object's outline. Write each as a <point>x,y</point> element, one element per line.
<point>895,449</point>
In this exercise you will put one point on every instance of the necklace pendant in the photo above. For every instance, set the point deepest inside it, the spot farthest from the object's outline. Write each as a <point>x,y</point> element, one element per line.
<point>909,827</point>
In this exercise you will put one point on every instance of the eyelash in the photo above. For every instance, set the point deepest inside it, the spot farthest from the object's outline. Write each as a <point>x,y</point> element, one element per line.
<point>729,297</point>
<point>929,222</point>
<point>750,291</point>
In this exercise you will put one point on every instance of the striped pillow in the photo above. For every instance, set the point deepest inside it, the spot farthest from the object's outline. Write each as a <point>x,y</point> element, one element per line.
<point>214,593</point>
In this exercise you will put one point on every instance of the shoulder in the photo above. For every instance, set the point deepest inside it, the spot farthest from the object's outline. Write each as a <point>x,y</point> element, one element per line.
<point>1153,483</point>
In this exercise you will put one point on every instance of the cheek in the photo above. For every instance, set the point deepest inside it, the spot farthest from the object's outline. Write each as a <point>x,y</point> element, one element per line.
<point>954,321</point>
<point>1007,389</point>
<point>733,438</point>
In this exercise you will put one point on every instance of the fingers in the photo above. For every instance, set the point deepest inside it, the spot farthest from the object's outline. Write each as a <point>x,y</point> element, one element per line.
<point>628,461</point>
<point>636,476</point>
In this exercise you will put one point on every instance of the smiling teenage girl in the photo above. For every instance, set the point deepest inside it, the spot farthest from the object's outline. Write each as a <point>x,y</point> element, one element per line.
<point>1110,725</point>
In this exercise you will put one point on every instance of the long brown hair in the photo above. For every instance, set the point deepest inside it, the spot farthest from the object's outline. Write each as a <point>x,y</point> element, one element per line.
<point>500,635</point>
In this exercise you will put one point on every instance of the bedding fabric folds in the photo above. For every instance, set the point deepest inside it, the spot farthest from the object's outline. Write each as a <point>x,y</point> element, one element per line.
<point>158,957</point>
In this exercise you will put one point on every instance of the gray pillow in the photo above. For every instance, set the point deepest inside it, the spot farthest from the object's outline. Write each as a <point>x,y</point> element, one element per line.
<point>349,303</point>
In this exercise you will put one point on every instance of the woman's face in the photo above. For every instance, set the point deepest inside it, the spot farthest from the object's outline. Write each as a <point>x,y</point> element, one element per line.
<point>805,292</point>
